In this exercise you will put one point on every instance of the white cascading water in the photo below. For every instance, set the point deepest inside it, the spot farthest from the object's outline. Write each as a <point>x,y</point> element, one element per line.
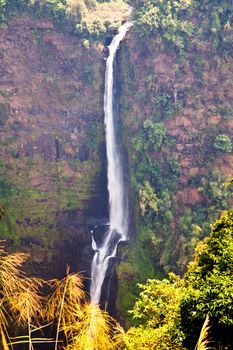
<point>118,207</point>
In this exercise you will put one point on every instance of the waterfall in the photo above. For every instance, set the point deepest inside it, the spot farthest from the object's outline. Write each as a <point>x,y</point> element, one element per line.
<point>118,205</point>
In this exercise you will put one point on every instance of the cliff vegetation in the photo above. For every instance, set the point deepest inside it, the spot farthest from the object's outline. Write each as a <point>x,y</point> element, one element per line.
<point>176,105</point>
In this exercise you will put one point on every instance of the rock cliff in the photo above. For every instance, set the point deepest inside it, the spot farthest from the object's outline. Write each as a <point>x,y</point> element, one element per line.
<point>52,144</point>
<point>176,118</point>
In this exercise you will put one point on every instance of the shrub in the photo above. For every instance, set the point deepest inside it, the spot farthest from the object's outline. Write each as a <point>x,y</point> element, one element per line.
<point>4,110</point>
<point>223,143</point>
<point>156,133</point>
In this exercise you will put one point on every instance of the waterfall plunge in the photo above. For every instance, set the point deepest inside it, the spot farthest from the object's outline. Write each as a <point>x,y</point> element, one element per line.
<point>118,206</point>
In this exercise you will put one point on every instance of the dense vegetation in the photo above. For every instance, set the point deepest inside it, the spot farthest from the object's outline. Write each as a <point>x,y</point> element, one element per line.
<point>85,18</point>
<point>183,21</point>
<point>169,313</point>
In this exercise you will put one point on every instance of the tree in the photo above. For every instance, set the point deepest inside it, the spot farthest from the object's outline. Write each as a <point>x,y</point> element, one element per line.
<point>209,282</point>
<point>147,200</point>
<point>156,133</point>
<point>170,313</point>
<point>156,312</point>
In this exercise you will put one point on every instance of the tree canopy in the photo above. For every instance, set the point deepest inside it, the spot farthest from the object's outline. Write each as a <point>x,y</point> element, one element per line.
<point>171,312</point>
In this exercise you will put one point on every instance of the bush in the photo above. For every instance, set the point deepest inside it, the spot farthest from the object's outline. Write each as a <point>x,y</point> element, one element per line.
<point>156,133</point>
<point>4,111</point>
<point>223,143</point>
<point>148,201</point>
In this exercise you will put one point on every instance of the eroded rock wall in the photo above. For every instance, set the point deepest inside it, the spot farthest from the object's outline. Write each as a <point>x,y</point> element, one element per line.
<point>52,152</point>
<point>175,108</point>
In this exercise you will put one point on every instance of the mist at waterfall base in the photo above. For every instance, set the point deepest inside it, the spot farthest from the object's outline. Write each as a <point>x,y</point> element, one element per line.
<point>116,230</point>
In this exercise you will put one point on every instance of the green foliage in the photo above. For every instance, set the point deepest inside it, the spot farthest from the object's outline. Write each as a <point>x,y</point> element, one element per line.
<point>209,283</point>
<point>75,16</point>
<point>8,7</point>
<point>220,15</point>
<point>147,338</point>
<point>154,177</point>
<point>172,21</point>
<point>229,183</point>
<point>165,205</point>
<point>158,302</point>
<point>95,136</point>
<point>94,29</point>
<point>2,9</point>
<point>215,24</point>
<point>156,311</point>
<point>223,143</point>
<point>164,106</point>
<point>153,136</point>
<point>156,133</point>
<point>7,189</point>
<point>218,193</point>
<point>148,170</point>
<point>138,267</point>
<point>147,200</point>
<point>4,111</point>
<point>170,313</point>
<point>165,18</point>
<point>186,220</point>
<point>1,213</point>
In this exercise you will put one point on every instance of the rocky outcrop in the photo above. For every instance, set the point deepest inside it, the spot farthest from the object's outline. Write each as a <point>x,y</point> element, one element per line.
<point>190,95</point>
<point>52,171</point>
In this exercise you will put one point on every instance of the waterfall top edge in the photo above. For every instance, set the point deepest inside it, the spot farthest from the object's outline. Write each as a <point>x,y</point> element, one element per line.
<point>122,30</point>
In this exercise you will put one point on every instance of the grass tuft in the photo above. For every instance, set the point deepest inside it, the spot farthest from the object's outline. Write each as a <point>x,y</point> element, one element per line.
<point>204,341</point>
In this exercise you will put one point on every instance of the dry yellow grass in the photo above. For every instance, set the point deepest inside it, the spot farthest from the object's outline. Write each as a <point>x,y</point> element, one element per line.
<point>64,305</point>
<point>84,325</point>
<point>94,331</point>
<point>203,341</point>
<point>20,296</point>
<point>26,303</point>
<point>114,12</point>
<point>4,341</point>
<point>11,278</point>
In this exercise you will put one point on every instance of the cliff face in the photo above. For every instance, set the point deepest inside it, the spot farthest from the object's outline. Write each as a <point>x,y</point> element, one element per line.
<point>52,152</point>
<point>176,109</point>
<point>176,116</point>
